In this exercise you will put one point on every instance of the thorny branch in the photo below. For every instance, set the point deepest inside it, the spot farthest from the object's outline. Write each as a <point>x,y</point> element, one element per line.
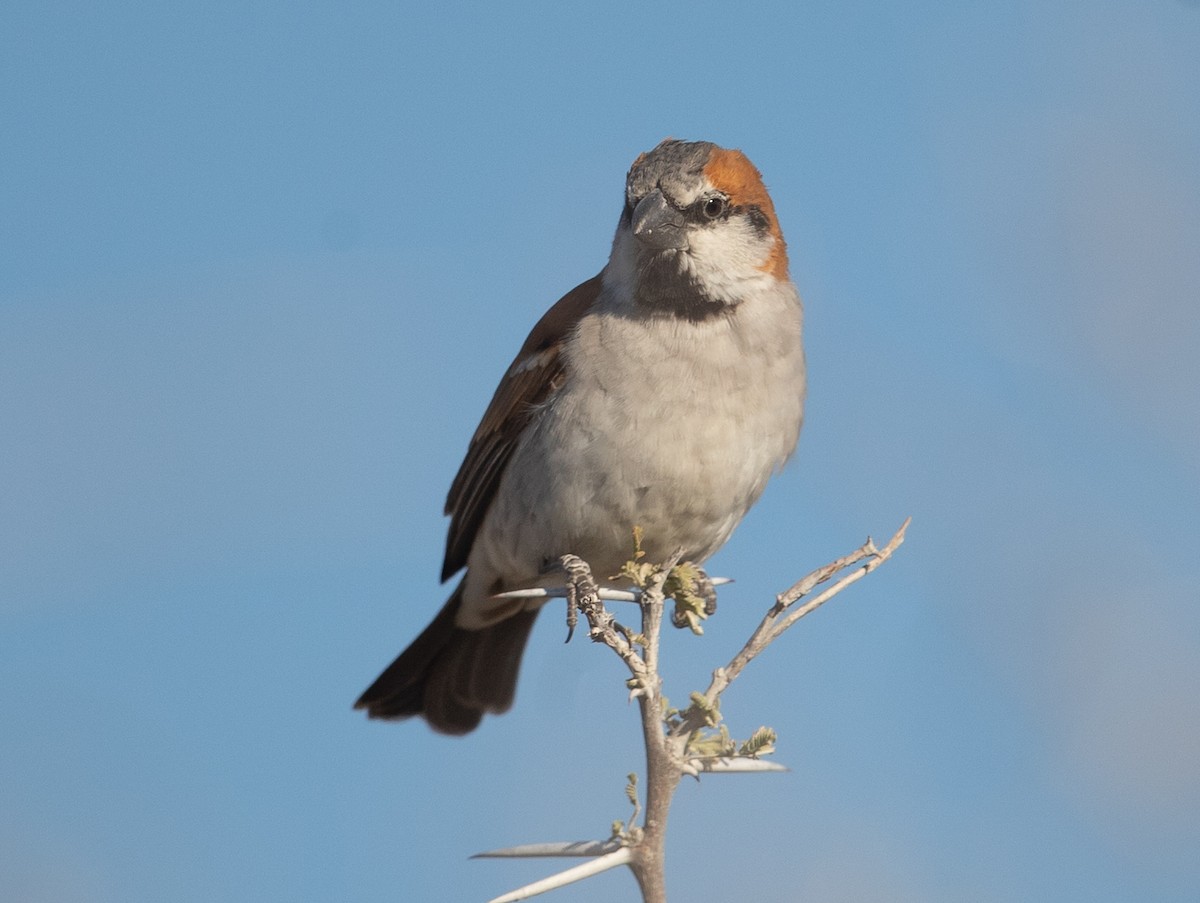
<point>679,743</point>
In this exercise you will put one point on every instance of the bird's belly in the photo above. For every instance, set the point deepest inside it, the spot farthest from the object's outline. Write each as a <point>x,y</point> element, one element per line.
<point>590,471</point>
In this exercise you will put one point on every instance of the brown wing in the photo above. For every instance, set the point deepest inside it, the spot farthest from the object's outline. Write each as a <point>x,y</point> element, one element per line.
<point>535,374</point>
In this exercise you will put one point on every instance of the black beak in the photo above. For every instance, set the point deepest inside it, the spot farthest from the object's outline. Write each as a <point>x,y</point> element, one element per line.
<point>657,224</point>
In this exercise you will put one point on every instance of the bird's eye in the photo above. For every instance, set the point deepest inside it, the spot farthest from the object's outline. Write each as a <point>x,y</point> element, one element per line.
<point>715,207</point>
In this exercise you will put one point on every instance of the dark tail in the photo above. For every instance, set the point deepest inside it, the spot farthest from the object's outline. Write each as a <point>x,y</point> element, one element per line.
<point>451,675</point>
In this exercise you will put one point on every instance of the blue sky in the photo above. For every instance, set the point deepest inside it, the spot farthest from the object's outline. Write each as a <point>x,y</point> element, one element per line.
<point>260,269</point>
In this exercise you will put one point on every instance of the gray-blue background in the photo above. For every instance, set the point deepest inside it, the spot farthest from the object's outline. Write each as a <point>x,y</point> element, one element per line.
<point>261,266</point>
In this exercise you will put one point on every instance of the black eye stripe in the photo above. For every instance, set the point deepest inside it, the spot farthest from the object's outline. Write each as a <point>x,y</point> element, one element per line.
<point>758,219</point>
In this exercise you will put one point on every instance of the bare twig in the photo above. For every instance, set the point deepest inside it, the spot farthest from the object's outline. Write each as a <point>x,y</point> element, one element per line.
<point>774,623</point>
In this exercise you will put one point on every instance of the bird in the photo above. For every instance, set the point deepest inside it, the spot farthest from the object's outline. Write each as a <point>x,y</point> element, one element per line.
<point>660,394</point>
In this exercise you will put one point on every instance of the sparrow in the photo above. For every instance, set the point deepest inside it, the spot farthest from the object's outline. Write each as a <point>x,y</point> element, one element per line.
<point>662,393</point>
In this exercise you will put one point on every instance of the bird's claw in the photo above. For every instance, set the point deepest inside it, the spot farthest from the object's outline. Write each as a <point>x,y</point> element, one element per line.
<point>694,594</point>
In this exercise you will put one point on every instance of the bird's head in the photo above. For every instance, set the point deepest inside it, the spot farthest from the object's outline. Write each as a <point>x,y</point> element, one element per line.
<point>698,233</point>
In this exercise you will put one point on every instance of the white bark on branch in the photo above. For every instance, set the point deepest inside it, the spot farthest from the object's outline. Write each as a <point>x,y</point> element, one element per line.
<point>600,864</point>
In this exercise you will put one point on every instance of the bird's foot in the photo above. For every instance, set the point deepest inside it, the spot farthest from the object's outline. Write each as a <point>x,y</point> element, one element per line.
<point>579,582</point>
<point>694,594</point>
